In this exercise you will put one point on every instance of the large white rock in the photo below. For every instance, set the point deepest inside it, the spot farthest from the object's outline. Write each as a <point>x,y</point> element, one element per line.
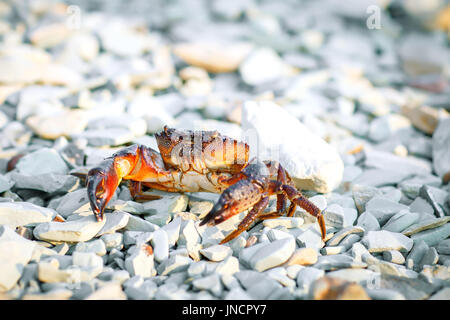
<point>15,253</point>
<point>274,134</point>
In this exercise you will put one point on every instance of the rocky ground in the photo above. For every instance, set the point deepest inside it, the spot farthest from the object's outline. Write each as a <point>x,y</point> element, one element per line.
<point>355,105</point>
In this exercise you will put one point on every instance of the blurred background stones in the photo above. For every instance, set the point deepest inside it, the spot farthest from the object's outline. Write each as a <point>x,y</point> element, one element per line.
<point>352,97</point>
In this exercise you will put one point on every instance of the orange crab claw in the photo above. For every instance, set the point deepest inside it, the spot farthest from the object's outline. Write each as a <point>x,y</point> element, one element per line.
<point>101,184</point>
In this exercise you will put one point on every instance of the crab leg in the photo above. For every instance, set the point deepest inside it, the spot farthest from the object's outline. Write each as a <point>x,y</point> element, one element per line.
<point>247,221</point>
<point>297,198</point>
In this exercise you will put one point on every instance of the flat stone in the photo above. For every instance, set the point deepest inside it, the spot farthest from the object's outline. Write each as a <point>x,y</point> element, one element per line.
<point>73,201</point>
<point>384,294</point>
<point>279,274</point>
<point>138,224</point>
<point>15,214</point>
<point>411,289</point>
<point>167,204</point>
<point>381,177</point>
<point>444,247</point>
<point>173,230</point>
<point>341,234</point>
<point>401,221</point>
<point>313,166</point>
<point>337,216</point>
<point>115,220</point>
<point>112,240</point>
<point>287,222</point>
<point>383,209</point>
<point>303,257</point>
<point>310,238</point>
<point>175,263</point>
<point>229,266</point>
<point>367,221</point>
<point>436,198</point>
<point>379,241</point>
<point>96,246</point>
<point>307,276</point>
<point>15,253</point>
<point>211,283</point>
<point>333,250</point>
<point>44,160</point>
<point>87,259</point>
<point>425,225</point>
<point>160,243</point>
<point>140,262</point>
<point>338,261</point>
<point>405,165</point>
<point>433,236</point>
<point>273,254</point>
<point>82,229</point>
<point>381,128</point>
<point>48,182</point>
<point>6,183</point>
<point>421,205</point>
<point>275,234</point>
<point>430,258</point>
<point>216,253</point>
<point>364,277</point>
<point>106,137</point>
<point>441,153</point>
<point>416,254</point>
<point>362,194</point>
<point>200,208</point>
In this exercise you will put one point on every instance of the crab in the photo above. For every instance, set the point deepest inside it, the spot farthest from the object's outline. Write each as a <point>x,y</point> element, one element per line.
<point>193,161</point>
